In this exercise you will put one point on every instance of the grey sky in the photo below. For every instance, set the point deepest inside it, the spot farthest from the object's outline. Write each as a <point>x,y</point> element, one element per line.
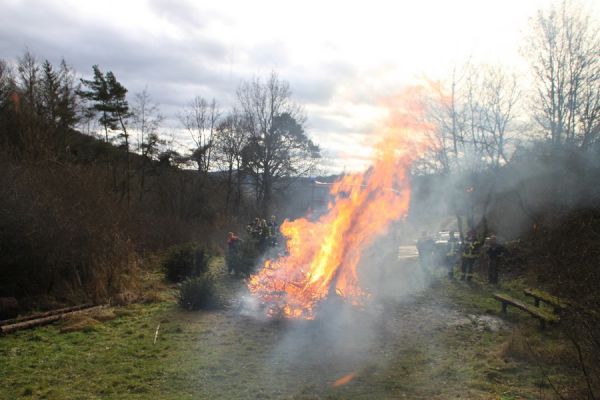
<point>339,57</point>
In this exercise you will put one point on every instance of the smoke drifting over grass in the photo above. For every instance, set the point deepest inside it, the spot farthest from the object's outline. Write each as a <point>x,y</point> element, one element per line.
<point>348,333</point>
<point>351,339</point>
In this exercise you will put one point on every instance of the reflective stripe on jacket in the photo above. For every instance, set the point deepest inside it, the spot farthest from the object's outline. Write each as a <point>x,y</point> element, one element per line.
<point>470,250</point>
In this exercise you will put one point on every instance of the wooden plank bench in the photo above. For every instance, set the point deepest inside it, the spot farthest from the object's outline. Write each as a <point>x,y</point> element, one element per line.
<point>557,304</point>
<point>536,312</point>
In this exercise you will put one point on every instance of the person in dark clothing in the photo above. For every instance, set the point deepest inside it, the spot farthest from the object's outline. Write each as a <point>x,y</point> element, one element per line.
<point>233,243</point>
<point>495,252</point>
<point>264,236</point>
<point>452,251</point>
<point>274,228</point>
<point>470,254</point>
<point>426,249</point>
<point>273,223</point>
<point>254,229</point>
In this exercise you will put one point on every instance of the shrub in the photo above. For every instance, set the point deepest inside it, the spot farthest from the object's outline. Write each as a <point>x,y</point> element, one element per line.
<point>53,245</point>
<point>244,259</point>
<point>198,293</point>
<point>185,261</point>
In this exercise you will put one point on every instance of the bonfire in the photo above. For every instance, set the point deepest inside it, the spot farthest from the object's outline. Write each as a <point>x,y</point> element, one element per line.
<point>323,255</point>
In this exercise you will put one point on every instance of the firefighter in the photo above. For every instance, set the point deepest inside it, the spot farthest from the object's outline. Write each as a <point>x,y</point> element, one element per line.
<point>452,251</point>
<point>264,235</point>
<point>233,243</point>
<point>495,251</point>
<point>469,256</point>
<point>274,231</point>
<point>254,228</point>
<point>273,223</point>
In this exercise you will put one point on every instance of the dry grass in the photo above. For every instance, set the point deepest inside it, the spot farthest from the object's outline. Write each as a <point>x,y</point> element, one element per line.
<point>87,321</point>
<point>124,298</point>
<point>103,315</point>
<point>154,296</point>
<point>77,323</point>
<point>517,348</point>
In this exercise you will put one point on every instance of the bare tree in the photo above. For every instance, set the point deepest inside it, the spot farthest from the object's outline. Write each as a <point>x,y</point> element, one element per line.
<point>200,119</point>
<point>147,119</point>
<point>499,96</point>
<point>278,146</point>
<point>231,138</point>
<point>8,104</point>
<point>563,48</point>
<point>6,82</point>
<point>29,82</point>
<point>474,117</point>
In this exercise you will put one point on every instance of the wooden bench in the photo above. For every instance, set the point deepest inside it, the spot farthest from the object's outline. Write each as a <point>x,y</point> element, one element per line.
<point>536,312</point>
<point>556,303</point>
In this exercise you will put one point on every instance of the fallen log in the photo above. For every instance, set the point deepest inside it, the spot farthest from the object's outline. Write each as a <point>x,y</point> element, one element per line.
<point>44,321</point>
<point>45,314</point>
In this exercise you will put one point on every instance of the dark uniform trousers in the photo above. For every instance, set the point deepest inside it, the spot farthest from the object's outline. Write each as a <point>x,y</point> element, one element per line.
<point>469,257</point>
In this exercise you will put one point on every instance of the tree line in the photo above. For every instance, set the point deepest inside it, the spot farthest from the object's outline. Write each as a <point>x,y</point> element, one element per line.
<point>262,138</point>
<point>90,182</point>
<point>486,122</point>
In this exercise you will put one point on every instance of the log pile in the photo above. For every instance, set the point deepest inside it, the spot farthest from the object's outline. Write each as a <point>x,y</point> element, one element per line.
<point>45,318</point>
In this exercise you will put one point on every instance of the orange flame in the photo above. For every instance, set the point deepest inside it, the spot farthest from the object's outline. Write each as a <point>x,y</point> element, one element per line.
<point>344,380</point>
<point>322,256</point>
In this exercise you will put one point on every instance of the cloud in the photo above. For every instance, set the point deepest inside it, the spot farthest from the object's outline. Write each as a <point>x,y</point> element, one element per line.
<point>338,66</point>
<point>178,13</point>
<point>319,86</point>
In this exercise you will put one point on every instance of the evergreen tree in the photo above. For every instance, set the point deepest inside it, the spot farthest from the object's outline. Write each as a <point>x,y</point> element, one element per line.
<point>109,97</point>
<point>98,95</point>
<point>58,105</point>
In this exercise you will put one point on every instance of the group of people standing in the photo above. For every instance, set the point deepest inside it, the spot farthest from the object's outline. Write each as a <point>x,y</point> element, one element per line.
<point>261,234</point>
<point>264,232</point>
<point>466,254</point>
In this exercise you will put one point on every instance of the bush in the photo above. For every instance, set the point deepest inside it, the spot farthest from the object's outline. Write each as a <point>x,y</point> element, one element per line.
<point>53,246</point>
<point>198,293</point>
<point>185,261</point>
<point>242,260</point>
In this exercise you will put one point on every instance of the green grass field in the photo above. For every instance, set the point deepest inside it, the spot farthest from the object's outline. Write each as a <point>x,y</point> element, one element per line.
<point>430,346</point>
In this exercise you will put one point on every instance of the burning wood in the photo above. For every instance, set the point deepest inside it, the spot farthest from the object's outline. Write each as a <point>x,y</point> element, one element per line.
<point>322,255</point>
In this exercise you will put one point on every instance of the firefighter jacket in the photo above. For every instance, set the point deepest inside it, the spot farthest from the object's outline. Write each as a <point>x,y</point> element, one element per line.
<point>470,249</point>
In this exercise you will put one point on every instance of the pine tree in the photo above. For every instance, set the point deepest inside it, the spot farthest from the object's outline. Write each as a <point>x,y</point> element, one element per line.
<point>109,97</point>
<point>99,97</point>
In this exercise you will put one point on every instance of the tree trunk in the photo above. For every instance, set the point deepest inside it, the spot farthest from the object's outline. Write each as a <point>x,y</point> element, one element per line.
<point>229,186</point>
<point>126,157</point>
<point>142,177</point>
<point>266,199</point>
<point>238,199</point>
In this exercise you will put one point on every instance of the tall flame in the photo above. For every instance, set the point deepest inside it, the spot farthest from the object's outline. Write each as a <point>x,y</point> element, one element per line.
<point>323,255</point>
